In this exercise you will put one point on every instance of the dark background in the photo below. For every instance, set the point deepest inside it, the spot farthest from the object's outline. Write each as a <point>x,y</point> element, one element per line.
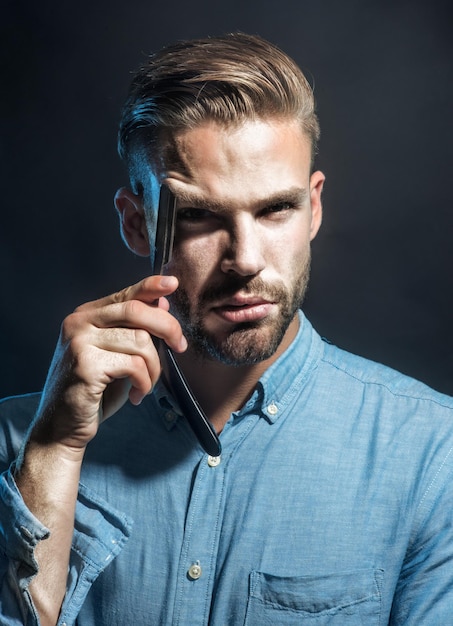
<point>382,269</point>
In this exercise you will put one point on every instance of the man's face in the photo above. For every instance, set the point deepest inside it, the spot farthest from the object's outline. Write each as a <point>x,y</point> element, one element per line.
<point>247,211</point>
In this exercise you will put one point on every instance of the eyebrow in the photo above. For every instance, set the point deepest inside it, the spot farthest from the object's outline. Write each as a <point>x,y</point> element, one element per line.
<point>294,196</point>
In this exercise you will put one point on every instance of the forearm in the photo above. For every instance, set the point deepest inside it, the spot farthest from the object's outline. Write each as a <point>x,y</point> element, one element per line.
<point>48,479</point>
<point>104,355</point>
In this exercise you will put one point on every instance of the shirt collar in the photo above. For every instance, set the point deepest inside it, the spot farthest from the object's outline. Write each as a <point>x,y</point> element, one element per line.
<point>278,384</point>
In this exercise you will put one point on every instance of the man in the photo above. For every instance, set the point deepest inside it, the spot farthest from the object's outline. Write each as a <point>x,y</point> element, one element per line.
<point>332,499</point>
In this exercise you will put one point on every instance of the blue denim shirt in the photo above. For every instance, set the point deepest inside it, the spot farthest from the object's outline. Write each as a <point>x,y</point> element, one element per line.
<point>332,503</point>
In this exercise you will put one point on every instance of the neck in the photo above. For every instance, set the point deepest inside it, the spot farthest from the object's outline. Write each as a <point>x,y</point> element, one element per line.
<point>221,389</point>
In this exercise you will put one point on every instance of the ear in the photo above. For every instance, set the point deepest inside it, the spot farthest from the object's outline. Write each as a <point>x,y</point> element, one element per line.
<point>132,221</point>
<point>316,186</point>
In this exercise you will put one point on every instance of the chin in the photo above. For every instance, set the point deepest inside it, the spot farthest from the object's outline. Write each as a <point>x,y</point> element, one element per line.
<point>245,345</point>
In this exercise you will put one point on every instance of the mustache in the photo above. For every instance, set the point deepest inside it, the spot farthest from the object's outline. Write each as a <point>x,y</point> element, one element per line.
<point>231,285</point>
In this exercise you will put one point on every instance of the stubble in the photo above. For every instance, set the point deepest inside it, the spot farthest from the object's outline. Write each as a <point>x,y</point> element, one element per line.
<point>247,343</point>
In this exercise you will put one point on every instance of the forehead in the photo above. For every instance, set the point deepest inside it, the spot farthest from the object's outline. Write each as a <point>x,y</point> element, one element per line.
<point>252,157</point>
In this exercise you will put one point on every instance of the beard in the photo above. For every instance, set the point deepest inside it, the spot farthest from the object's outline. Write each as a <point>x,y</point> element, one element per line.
<point>246,343</point>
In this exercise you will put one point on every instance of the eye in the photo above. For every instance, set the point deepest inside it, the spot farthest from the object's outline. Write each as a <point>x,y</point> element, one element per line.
<point>277,210</point>
<point>191,214</point>
<point>196,221</point>
<point>281,206</point>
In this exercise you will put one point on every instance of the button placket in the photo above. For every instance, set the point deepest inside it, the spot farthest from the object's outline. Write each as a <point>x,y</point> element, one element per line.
<point>201,539</point>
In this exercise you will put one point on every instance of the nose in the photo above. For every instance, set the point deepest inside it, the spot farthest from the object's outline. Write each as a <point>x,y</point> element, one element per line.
<point>244,252</point>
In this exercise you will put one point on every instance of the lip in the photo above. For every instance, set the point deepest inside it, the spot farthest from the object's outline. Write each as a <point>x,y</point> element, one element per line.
<point>240,309</point>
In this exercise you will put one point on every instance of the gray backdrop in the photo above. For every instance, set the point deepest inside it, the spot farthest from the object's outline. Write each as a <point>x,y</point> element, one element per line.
<point>382,268</point>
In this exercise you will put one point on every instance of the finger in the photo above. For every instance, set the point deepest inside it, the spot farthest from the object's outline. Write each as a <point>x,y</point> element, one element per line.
<point>130,341</point>
<point>123,340</point>
<point>137,372</point>
<point>163,303</point>
<point>116,395</point>
<point>133,314</point>
<point>147,290</point>
<point>139,316</point>
<point>96,370</point>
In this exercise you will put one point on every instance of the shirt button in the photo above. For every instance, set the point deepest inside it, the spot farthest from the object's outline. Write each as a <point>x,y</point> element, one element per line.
<point>194,571</point>
<point>169,416</point>
<point>213,461</point>
<point>272,409</point>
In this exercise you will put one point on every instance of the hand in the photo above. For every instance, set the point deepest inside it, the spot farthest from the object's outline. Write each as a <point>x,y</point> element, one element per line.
<point>104,355</point>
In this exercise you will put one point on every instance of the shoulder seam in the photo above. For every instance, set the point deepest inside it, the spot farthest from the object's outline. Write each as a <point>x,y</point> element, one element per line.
<point>396,393</point>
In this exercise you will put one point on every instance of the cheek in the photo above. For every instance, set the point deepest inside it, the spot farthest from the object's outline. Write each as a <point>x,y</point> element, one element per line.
<point>289,253</point>
<point>193,262</point>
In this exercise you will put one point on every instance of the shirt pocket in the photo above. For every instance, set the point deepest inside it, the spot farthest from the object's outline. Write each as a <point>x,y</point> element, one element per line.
<point>346,598</point>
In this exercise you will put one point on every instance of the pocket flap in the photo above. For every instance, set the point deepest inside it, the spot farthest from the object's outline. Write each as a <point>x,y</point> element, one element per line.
<point>316,594</point>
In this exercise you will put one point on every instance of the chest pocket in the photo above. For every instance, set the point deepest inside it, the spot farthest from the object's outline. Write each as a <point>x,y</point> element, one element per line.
<point>347,598</point>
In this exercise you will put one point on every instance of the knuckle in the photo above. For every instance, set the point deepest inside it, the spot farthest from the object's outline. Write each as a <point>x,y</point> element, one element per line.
<point>70,325</point>
<point>121,296</point>
<point>132,309</point>
<point>149,283</point>
<point>84,362</point>
<point>141,374</point>
<point>142,339</point>
<point>77,345</point>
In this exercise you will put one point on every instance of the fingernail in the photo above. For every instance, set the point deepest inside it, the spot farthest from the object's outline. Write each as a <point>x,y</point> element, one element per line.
<point>166,282</point>
<point>183,344</point>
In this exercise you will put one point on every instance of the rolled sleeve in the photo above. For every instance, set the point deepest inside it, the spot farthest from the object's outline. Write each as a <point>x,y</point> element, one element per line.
<point>99,535</point>
<point>20,532</point>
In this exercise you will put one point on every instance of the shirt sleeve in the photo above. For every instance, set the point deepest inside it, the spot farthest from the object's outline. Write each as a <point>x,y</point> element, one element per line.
<point>424,593</point>
<point>99,535</point>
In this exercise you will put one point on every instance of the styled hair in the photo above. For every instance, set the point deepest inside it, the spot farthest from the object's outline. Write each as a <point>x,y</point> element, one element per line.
<point>227,79</point>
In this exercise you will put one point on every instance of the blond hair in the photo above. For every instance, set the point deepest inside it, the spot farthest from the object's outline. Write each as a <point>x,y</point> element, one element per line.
<point>227,79</point>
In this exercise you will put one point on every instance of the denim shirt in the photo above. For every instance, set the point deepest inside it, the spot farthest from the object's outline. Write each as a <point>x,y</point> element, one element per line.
<point>332,503</point>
